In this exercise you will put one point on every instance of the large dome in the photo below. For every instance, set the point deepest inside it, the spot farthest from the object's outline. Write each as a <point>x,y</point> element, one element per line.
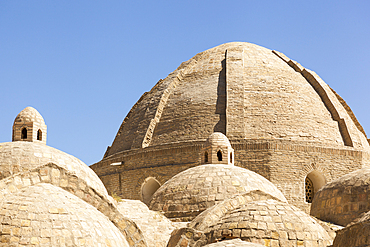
<point>281,119</point>
<point>244,91</point>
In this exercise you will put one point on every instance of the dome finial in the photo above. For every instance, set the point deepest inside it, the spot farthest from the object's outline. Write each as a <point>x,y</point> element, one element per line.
<point>29,126</point>
<point>217,150</point>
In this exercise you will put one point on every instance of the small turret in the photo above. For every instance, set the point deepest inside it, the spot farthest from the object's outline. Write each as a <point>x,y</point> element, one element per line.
<point>29,126</point>
<point>217,150</point>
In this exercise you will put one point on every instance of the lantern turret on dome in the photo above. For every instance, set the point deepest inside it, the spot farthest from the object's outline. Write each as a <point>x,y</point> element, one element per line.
<point>217,150</point>
<point>29,126</point>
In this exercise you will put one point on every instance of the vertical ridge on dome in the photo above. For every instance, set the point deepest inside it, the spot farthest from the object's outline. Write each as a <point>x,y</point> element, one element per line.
<point>326,94</point>
<point>235,92</point>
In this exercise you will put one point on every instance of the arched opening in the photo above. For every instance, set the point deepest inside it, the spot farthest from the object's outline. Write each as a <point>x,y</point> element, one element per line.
<point>219,155</point>
<point>231,157</point>
<point>148,188</point>
<point>39,135</point>
<point>314,181</point>
<point>24,133</point>
<point>206,157</point>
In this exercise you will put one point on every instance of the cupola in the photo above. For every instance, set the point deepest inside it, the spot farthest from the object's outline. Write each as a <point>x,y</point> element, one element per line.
<point>217,150</point>
<point>29,126</point>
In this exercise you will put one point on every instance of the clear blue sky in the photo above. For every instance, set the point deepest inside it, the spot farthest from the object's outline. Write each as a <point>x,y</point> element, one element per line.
<point>84,64</point>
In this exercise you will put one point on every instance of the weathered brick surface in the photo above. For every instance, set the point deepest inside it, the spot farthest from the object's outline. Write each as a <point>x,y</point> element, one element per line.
<point>61,178</point>
<point>356,234</point>
<point>343,200</point>
<point>22,156</point>
<point>191,192</point>
<point>255,217</point>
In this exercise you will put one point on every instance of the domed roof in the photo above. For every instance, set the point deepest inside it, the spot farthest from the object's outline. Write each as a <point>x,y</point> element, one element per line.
<point>355,234</point>
<point>47,215</point>
<point>29,114</point>
<point>270,223</point>
<point>246,92</point>
<point>192,191</point>
<point>217,139</point>
<point>344,199</point>
<point>21,156</point>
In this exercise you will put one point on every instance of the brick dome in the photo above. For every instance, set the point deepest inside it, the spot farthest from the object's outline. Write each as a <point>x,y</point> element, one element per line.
<point>281,119</point>
<point>270,223</point>
<point>217,139</point>
<point>192,191</point>
<point>344,199</point>
<point>29,114</point>
<point>46,215</point>
<point>18,157</point>
<point>244,91</point>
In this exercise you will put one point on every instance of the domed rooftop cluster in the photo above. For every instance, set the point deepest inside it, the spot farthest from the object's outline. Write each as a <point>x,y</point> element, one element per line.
<point>281,120</point>
<point>287,132</point>
<point>50,198</point>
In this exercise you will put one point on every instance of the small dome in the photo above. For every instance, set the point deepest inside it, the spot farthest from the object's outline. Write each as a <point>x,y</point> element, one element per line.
<point>344,199</point>
<point>18,157</point>
<point>47,215</point>
<point>217,139</point>
<point>356,234</point>
<point>270,223</point>
<point>194,190</point>
<point>29,114</point>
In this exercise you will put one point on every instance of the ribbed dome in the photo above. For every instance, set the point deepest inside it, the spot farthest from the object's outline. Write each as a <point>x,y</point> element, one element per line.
<point>192,191</point>
<point>29,114</point>
<point>246,92</point>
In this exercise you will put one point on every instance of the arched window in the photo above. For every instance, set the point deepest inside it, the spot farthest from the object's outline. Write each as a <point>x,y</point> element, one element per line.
<point>314,181</point>
<point>148,188</point>
<point>231,157</point>
<point>219,155</point>
<point>206,157</point>
<point>24,133</point>
<point>39,135</point>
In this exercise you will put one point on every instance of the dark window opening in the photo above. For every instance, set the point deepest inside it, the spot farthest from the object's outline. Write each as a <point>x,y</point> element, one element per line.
<point>39,135</point>
<point>309,190</point>
<point>24,133</point>
<point>206,157</point>
<point>219,156</point>
<point>231,157</point>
